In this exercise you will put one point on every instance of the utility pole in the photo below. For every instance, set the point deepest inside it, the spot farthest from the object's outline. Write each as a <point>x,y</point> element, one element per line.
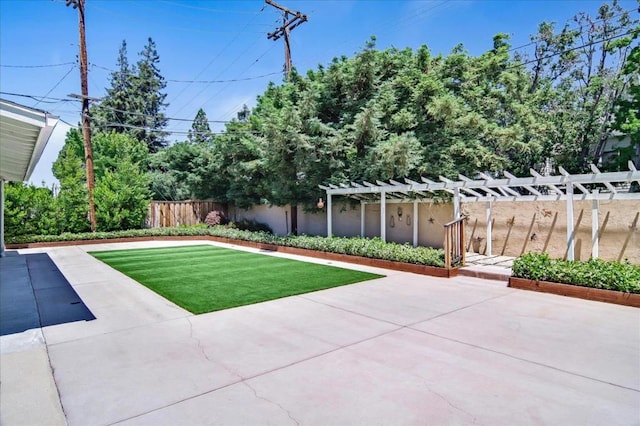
<point>86,129</point>
<point>290,20</point>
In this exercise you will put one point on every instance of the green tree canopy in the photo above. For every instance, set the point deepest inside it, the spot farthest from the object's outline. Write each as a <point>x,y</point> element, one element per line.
<point>135,103</point>
<point>200,131</point>
<point>122,183</point>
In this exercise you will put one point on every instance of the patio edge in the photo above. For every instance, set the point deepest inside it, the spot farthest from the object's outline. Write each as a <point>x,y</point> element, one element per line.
<point>588,293</point>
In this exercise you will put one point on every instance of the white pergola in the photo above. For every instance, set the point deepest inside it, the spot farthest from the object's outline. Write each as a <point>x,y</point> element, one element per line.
<point>24,133</point>
<point>566,187</point>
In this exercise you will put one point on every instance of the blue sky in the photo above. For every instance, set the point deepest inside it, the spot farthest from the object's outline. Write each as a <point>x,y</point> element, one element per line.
<point>227,40</point>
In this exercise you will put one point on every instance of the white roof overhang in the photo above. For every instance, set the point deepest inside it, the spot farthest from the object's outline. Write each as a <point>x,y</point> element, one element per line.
<point>24,133</point>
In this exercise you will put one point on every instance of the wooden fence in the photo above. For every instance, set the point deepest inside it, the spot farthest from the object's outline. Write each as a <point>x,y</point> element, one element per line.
<point>176,213</point>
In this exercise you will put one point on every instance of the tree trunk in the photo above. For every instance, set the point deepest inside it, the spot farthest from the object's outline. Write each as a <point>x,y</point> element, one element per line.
<point>294,219</point>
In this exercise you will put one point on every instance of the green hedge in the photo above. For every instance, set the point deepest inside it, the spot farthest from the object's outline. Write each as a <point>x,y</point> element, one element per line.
<point>365,247</point>
<point>596,273</point>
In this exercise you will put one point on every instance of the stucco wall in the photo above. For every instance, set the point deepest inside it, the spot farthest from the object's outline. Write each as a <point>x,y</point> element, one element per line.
<point>518,227</point>
<point>346,221</point>
<point>276,217</point>
<point>521,227</point>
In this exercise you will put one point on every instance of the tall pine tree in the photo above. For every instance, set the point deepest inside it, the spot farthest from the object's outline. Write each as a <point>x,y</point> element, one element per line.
<point>114,112</point>
<point>135,104</point>
<point>149,101</point>
<point>200,132</point>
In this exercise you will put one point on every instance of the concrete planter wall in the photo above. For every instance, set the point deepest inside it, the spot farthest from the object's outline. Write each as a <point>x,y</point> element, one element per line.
<point>588,293</point>
<point>378,263</point>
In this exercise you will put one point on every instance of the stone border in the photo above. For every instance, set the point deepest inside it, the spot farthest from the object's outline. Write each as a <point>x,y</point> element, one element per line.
<point>378,263</point>
<point>588,293</point>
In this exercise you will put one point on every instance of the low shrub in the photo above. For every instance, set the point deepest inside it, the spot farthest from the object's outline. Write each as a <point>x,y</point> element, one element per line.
<point>369,247</point>
<point>252,226</point>
<point>596,273</point>
<point>215,217</point>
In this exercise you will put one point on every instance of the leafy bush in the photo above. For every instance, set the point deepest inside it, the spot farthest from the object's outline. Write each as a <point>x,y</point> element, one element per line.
<point>369,247</point>
<point>365,247</point>
<point>252,226</point>
<point>29,210</point>
<point>215,217</point>
<point>596,273</point>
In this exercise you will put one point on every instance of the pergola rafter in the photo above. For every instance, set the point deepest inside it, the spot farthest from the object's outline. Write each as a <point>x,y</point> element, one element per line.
<point>593,186</point>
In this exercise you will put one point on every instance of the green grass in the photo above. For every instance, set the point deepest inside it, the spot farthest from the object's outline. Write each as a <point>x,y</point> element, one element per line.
<point>206,278</point>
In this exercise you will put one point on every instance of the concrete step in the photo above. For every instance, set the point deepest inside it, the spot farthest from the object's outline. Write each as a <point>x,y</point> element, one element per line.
<point>488,267</point>
<point>487,272</point>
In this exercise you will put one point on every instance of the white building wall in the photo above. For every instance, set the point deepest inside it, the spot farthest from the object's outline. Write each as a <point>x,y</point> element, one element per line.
<point>278,218</point>
<point>346,221</point>
<point>312,223</point>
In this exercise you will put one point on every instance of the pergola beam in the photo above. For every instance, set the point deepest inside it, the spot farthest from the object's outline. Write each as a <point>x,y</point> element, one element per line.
<point>578,185</point>
<point>490,190</point>
<point>536,180</point>
<point>549,185</point>
<point>464,179</point>
<point>527,187</point>
<point>503,188</point>
<point>597,171</point>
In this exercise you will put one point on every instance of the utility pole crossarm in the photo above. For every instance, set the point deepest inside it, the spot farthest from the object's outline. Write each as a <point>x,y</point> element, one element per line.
<point>282,8</point>
<point>288,24</point>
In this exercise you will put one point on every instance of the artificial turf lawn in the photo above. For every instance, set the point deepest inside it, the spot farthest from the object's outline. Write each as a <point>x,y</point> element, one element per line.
<point>206,278</point>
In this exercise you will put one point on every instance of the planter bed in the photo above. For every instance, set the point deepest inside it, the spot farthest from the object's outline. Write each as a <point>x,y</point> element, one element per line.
<point>588,293</point>
<point>378,263</point>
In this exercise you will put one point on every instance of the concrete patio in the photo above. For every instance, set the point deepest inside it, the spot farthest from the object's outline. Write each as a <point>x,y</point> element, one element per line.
<point>401,350</point>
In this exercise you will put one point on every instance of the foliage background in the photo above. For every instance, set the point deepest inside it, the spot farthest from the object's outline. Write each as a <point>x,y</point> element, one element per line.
<point>378,115</point>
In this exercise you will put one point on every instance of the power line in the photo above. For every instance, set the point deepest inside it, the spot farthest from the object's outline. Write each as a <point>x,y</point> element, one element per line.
<point>232,80</point>
<point>38,97</point>
<point>180,132</point>
<point>188,6</point>
<point>593,43</point>
<point>57,84</point>
<point>38,66</point>
<point>142,115</point>
<point>214,59</point>
<point>234,61</point>
<point>257,77</point>
<point>579,29</point>
<point>52,100</point>
<point>518,64</point>
<point>75,126</point>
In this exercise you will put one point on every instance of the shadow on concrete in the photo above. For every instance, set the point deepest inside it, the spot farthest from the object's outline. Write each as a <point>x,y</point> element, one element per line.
<point>34,293</point>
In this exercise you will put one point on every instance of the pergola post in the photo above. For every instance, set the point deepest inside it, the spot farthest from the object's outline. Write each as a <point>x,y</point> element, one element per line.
<point>329,219</point>
<point>489,229</point>
<point>456,203</point>
<point>362,217</point>
<point>383,214</point>
<point>570,236</point>
<point>489,190</point>
<point>415,224</point>
<point>594,226</point>
<point>1,217</point>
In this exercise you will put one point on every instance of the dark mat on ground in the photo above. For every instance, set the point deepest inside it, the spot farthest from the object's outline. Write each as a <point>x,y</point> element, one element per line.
<point>18,308</point>
<point>57,301</point>
<point>36,294</point>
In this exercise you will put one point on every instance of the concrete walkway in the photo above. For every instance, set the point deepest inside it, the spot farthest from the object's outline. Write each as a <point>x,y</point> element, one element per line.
<point>401,350</point>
